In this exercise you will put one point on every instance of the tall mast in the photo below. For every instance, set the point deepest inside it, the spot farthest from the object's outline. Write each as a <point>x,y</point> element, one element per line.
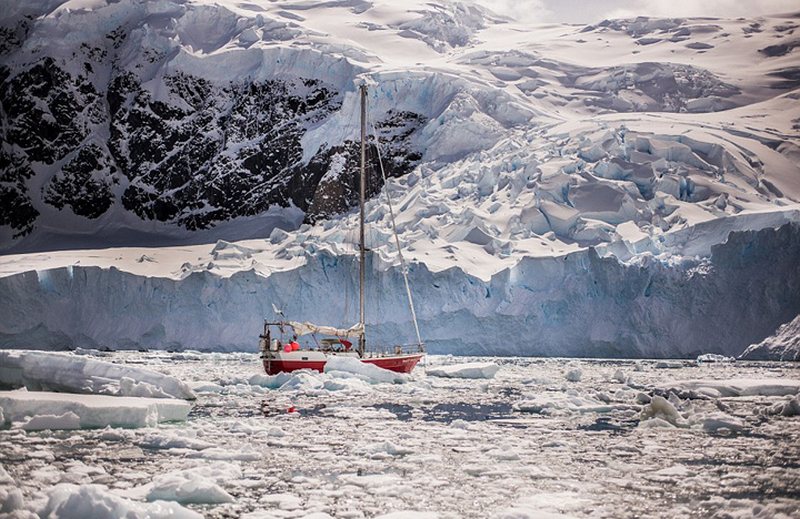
<point>361,244</point>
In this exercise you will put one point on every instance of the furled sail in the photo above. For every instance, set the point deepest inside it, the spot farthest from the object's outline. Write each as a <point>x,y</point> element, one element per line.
<point>306,328</point>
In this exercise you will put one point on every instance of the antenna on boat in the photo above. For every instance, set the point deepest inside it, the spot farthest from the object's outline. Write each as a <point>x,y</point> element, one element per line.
<point>361,244</point>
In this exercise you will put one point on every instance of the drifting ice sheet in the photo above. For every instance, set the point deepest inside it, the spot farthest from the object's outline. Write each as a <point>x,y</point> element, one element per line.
<point>468,370</point>
<point>744,386</point>
<point>37,371</point>
<point>94,411</point>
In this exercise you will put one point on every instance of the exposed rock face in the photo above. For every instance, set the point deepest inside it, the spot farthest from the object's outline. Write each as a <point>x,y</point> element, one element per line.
<point>203,153</point>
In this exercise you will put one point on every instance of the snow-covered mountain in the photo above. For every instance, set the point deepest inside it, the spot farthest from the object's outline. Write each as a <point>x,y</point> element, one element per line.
<point>570,185</point>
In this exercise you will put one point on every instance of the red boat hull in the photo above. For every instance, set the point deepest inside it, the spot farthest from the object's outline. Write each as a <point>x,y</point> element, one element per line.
<point>397,363</point>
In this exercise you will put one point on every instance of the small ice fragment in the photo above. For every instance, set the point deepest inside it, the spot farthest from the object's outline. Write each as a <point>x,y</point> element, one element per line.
<point>67,500</point>
<point>790,407</point>
<point>713,357</point>
<point>661,408</point>
<point>473,370</point>
<point>350,367</point>
<point>66,421</point>
<point>11,500</point>
<point>187,489</point>
<point>574,375</point>
<point>656,423</point>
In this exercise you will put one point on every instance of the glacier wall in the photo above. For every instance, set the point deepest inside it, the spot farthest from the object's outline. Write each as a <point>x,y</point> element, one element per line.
<point>579,304</point>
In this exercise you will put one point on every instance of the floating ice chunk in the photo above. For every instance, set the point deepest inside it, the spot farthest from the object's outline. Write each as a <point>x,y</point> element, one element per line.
<point>718,422</point>
<point>790,407</point>
<point>346,384</point>
<point>388,447</point>
<point>282,501</point>
<point>187,488</point>
<point>503,454</point>
<point>409,514</point>
<point>345,367</point>
<point>68,420</point>
<point>557,402</point>
<point>47,371</point>
<point>5,478</point>
<point>574,375</point>
<point>170,440</point>
<point>619,376</point>
<point>545,505</point>
<point>270,381</point>
<point>302,381</point>
<point>11,502</point>
<point>660,407</point>
<point>129,387</point>
<point>656,423</point>
<point>665,364</point>
<point>208,387</point>
<point>94,411</point>
<point>468,370</point>
<point>97,502</point>
<point>743,386</point>
<point>115,435</point>
<point>218,453</point>
<point>713,357</point>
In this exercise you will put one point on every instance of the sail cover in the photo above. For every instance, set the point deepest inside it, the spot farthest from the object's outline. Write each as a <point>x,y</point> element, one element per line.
<point>306,328</point>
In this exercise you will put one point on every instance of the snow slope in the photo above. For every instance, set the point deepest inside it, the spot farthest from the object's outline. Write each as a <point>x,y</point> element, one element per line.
<point>558,189</point>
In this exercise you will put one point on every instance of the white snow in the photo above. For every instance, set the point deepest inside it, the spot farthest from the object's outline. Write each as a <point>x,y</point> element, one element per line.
<point>50,410</point>
<point>38,370</point>
<point>467,370</point>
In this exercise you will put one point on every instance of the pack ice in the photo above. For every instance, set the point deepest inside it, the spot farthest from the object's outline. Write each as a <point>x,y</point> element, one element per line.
<point>611,189</point>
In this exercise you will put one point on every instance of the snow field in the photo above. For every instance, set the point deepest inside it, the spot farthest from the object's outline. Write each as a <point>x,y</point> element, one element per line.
<point>526,443</point>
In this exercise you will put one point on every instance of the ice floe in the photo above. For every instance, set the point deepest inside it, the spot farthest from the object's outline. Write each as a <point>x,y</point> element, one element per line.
<point>39,371</point>
<point>51,410</point>
<point>96,501</point>
<point>742,387</point>
<point>468,370</point>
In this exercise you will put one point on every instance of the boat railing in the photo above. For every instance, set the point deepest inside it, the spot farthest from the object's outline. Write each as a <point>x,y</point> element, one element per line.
<point>399,349</point>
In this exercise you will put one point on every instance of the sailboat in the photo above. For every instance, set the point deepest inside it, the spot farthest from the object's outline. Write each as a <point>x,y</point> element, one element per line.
<point>281,352</point>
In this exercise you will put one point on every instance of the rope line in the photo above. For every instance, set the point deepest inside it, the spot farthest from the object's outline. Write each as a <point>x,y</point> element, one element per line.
<point>403,267</point>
